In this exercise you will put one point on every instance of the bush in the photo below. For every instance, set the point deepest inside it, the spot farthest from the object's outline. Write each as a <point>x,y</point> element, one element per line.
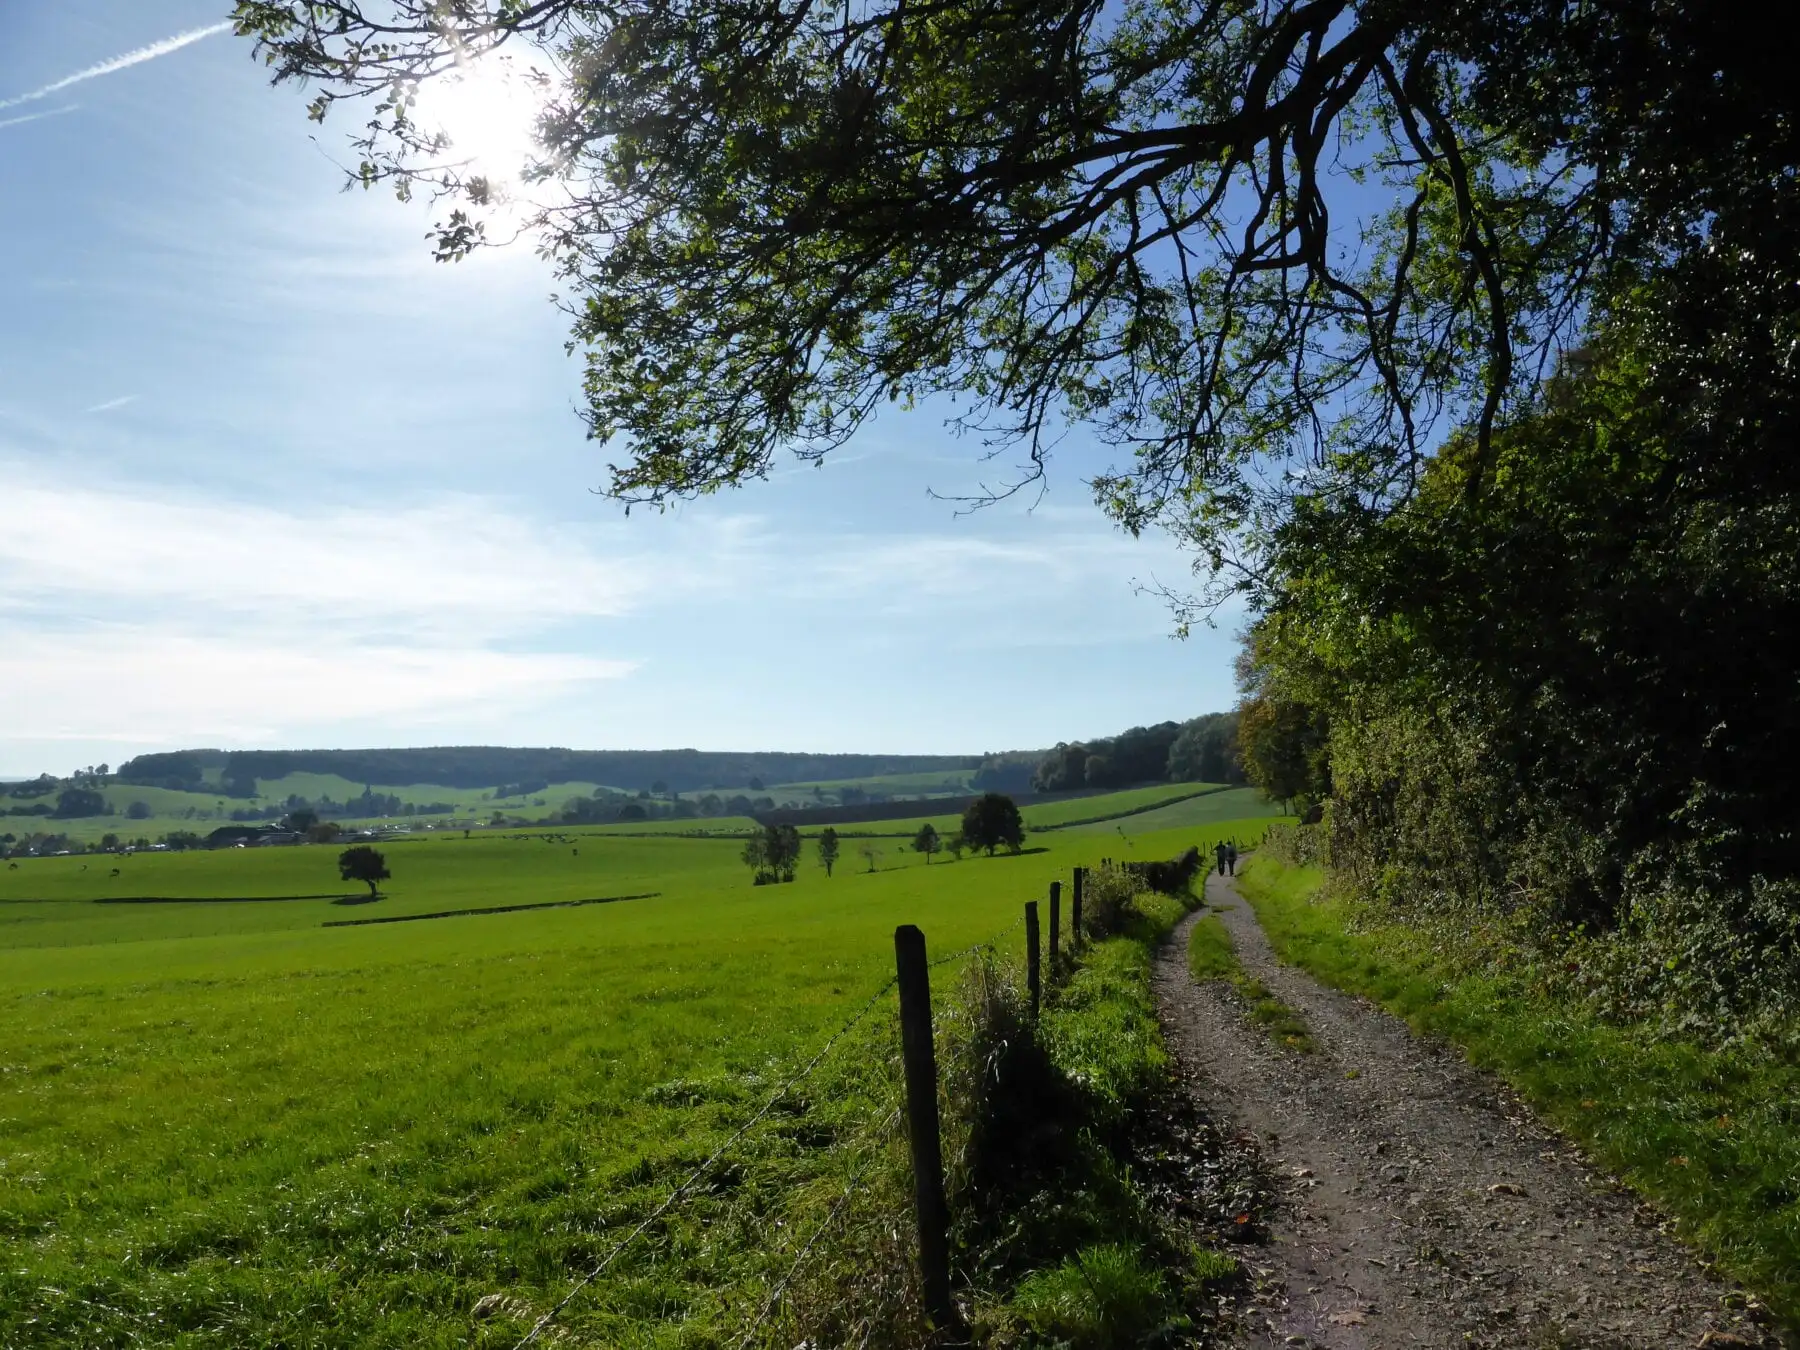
<point>1175,877</point>
<point>1299,845</point>
<point>1107,898</point>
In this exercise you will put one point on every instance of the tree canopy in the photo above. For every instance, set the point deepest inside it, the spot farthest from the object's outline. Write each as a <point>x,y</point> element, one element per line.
<point>773,853</point>
<point>1225,235</point>
<point>926,841</point>
<point>365,864</point>
<point>993,820</point>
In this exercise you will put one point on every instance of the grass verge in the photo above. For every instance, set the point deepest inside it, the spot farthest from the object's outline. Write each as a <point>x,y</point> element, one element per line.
<point>1059,1129</point>
<point>1211,957</point>
<point>1712,1137</point>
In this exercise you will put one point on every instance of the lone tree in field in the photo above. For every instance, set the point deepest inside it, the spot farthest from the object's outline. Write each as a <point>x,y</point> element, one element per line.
<point>926,841</point>
<point>828,849</point>
<point>773,854</point>
<point>364,864</point>
<point>992,820</point>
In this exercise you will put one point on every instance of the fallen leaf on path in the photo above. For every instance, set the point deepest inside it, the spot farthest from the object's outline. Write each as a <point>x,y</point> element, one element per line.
<point>1350,1317</point>
<point>1679,1160</point>
<point>1506,1188</point>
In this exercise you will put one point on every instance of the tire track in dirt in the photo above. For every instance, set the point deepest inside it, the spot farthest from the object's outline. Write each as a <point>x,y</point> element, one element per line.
<point>1420,1203</point>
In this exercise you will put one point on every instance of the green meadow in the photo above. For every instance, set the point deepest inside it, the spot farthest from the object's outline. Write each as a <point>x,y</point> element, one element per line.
<point>223,1122</point>
<point>949,783</point>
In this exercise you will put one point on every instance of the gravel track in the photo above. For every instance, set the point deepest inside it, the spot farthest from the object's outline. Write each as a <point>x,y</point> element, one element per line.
<point>1417,1202</point>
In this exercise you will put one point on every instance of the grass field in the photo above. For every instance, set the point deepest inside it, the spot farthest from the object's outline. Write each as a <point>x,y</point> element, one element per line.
<point>222,1123</point>
<point>1058,815</point>
<point>1211,809</point>
<point>202,812</point>
<point>933,783</point>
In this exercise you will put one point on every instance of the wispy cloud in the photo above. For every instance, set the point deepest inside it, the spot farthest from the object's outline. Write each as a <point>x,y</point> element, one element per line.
<point>116,63</point>
<point>180,617</point>
<point>140,683</point>
<point>36,116</point>
<point>111,403</point>
<point>452,567</point>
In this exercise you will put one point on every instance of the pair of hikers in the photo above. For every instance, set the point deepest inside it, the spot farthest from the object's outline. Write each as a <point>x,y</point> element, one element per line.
<point>1227,856</point>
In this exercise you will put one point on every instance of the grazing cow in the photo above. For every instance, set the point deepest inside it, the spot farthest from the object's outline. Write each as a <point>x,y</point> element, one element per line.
<point>12,867</point>
<point>115,872</point>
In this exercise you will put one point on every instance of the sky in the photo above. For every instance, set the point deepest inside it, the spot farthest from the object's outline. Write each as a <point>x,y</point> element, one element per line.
<point>270,477</point>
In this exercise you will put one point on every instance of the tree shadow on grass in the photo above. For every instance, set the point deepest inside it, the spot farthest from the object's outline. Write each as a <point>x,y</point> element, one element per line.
<point>336,897</point>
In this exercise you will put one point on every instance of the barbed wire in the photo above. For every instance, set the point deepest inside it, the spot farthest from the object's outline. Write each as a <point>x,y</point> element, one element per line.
<point>669,1202</point>
<point>986,944</point>
<point>775,1295</point>
<point>687,1184</point>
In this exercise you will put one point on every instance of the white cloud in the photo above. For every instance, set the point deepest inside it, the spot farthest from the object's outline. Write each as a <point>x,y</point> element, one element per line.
<point>154,618</point>
<point>142,617</point>
<point>145,685</point>
<point>111,403</point>
<point>457,565</point>
<point>115,63</point>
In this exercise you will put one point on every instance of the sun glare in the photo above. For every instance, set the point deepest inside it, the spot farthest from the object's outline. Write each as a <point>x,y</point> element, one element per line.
<point>488,109</point>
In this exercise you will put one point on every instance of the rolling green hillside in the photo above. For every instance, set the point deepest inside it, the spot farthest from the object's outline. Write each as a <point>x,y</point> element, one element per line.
<point>221,1120</point>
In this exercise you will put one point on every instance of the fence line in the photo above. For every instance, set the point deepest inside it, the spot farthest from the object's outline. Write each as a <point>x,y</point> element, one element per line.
<point>687,1184</point>
<point>543,1322</point>
<point>837,1208</point>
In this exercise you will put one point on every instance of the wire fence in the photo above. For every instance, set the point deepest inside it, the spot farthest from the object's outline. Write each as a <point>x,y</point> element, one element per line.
<point>773,1302</point>
<point>688,1183</point>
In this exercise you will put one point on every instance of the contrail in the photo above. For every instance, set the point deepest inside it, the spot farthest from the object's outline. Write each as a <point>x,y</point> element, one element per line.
<point>37,117</point>
<point>94,72</point>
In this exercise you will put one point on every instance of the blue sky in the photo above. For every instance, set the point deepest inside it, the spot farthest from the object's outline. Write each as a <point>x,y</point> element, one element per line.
<point>273,478</point>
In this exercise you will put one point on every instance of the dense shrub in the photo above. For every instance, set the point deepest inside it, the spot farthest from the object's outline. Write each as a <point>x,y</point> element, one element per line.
<point>1592,745</point>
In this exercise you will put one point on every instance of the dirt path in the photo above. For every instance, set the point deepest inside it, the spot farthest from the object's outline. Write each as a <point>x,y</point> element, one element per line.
<point>1418,1202</point>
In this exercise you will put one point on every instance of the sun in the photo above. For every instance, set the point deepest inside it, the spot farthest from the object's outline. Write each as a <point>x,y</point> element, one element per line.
<point>488,109</point>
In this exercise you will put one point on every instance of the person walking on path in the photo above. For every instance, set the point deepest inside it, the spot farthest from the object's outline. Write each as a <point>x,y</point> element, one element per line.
<point>1219,853</point>
<point>1230,860</point>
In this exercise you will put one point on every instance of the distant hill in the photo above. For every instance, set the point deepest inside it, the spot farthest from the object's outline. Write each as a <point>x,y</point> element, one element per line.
<point>234,772</point>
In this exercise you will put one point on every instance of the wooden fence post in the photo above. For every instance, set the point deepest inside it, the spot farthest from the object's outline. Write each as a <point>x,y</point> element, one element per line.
<point>1033,975</point>
<point>1075,907</point>
<point>1055,921</point>
<point>922,1123</point>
